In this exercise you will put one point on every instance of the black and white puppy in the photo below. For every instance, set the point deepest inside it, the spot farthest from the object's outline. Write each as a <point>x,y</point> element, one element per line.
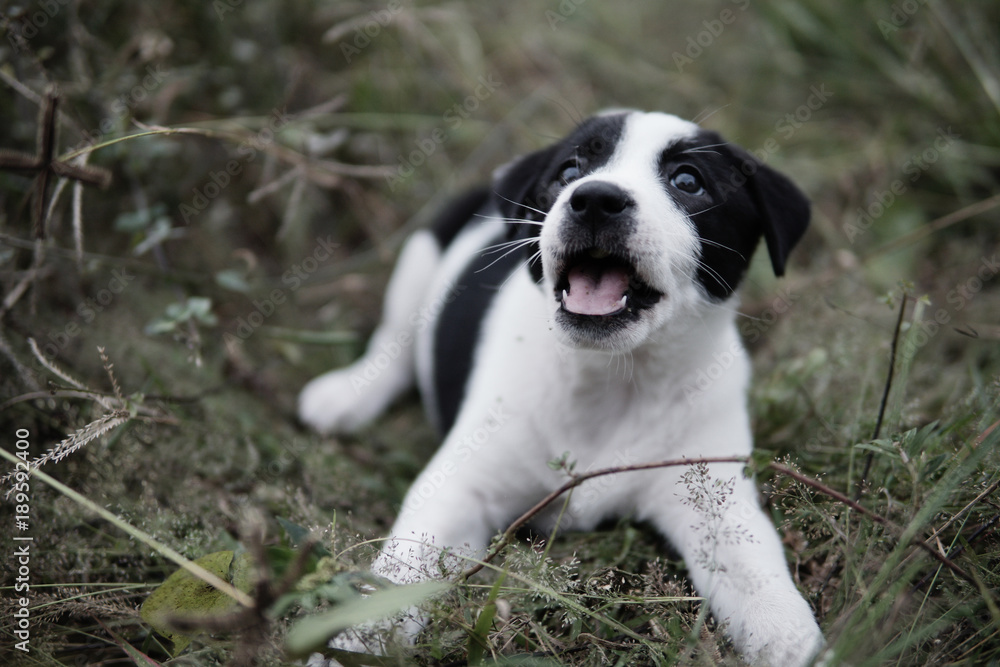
<point>572,307</point>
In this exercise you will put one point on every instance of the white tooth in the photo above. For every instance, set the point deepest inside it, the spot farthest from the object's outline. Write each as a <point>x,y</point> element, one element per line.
<point>565,294</point>
<point>624,299</point>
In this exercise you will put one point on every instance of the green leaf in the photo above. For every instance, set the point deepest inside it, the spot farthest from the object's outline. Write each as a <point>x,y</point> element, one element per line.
<point>182,594</point>
<point>562,462</point>
<point>312,633</point>
<point>161,230</point>
<point>478,638</point>
<point>915,440</point>
<point>159,326</point>
<point>137,221</point>
<point>196,308</point>
<point>233,279</point>
<point>200,308</point>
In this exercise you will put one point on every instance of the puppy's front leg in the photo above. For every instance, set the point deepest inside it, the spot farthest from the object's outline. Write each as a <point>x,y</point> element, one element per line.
<point>735,559</point>
<point>467,492</point>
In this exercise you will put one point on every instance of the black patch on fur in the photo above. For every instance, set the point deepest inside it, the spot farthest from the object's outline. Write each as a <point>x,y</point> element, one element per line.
<point>743,200</point>
<point>459,212</point>
<point>459,327</point>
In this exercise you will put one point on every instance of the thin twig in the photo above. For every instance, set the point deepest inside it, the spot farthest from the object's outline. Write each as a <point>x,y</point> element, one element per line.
<point>577,480</point>
<point>882,521</point>
<point>508,534</point>
<point>957,551</point>
<point>962,512</point>
<point>885,396</point>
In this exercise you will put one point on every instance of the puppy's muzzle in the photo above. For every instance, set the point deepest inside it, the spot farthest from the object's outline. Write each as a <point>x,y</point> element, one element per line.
<point>596,276</point>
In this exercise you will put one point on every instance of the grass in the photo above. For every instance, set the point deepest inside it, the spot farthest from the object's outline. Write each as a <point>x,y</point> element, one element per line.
<point>268,215</point>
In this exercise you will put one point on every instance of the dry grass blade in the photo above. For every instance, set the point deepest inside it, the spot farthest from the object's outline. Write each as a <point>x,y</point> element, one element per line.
<point>75,441</point>
<point>109,369</point>
<point>55,370</point>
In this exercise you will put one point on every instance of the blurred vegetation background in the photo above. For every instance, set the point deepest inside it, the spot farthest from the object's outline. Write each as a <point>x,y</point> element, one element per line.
<point>266,161</point>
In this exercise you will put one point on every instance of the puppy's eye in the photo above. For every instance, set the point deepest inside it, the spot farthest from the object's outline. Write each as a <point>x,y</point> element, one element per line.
<point>687,179</point>
<point>569,172</point>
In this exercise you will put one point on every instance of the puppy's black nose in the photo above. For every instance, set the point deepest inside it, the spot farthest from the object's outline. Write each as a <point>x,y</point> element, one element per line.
<point>598,203</point>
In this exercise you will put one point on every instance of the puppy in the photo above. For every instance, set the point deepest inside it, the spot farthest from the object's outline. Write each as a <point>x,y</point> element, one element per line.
<point>582,304</point>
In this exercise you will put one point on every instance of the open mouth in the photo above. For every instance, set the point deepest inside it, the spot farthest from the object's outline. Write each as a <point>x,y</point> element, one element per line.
<point>596,283</point>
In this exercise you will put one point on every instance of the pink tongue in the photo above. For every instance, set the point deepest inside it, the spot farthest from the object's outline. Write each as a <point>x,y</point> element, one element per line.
<point>595,290</point>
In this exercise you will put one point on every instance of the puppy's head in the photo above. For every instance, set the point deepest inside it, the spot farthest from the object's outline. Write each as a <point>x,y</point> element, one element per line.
<point>641,219</point>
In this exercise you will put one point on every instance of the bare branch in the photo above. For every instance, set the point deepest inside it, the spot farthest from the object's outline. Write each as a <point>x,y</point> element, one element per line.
<point>577,480</point>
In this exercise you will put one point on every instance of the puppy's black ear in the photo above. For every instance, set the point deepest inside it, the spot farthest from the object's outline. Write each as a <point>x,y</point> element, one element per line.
<point>515,185</point>
<point>517,195</point>
<point>784,212</point>
<point>783,209</point>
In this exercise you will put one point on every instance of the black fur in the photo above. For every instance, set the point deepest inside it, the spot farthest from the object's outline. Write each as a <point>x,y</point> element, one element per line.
<point>459,212</point>
<point>458,330</point>
<point>743,200</point>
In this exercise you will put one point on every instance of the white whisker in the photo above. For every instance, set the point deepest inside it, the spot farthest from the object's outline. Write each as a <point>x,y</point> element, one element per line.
<point>715,274</point>
<point>705,210</point>
<point>701,149</point>
<point>508,221</point>
<point>705,115</point>
<point>489,250</point>
<point>530,208</point>
<point>520,244</point>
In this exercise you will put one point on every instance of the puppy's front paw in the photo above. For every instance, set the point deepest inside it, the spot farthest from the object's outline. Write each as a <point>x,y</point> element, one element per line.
<point>335,403</point>
<point>792,642</point>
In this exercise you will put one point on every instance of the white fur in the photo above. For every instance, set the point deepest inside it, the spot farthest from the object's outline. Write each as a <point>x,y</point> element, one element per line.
<point>537,391</point>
